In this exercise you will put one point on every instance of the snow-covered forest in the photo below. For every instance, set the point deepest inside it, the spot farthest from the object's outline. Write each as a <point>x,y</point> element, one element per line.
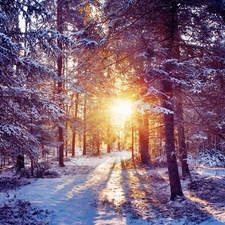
<point>135,86</point>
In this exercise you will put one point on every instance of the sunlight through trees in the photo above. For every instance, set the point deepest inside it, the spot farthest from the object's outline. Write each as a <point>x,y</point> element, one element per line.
<point>121,111</point>
<point>97,76</point>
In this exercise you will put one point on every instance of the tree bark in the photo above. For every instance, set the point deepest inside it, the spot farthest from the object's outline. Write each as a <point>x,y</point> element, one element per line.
<point>181,136</point>
<point>144,139</point>
<point>132,137</point>
<point>108,148</point>
<point>74,129</point>
<point>85,127</point>
<point>20,162</point>
<point>60,84</point>
<point>167,86</point>
<point>175,186</point>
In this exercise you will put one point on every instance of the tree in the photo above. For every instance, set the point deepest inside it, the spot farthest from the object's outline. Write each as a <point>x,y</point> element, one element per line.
<point>74,128</point>
<point>28,107</point>
<point>60,83</point>
<point>182,149</point>
<point>144,138</point>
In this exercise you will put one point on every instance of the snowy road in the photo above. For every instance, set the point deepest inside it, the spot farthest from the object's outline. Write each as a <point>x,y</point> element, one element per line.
<point>101,192</point>
<point>73,198</point>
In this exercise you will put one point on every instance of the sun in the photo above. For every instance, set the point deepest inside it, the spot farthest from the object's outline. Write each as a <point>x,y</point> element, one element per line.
<point>121,110</point>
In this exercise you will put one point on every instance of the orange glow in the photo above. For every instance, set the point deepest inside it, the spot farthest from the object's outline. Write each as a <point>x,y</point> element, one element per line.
<point>121,110</point>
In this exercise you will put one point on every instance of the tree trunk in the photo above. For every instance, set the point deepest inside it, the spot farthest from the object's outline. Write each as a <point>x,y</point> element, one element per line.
<point>108,148</point>
<point>181,136</point>
<point>20,162</point>
<point>32,167</point>
<point>175,186</point>
<point>132,137</point>
<point>109,142</point>
<point>74,129</point>
<point>98,145</point>
<point>60,84</point>
<point>144,139</point>
<point>85,127</point>
<point>171,38</point>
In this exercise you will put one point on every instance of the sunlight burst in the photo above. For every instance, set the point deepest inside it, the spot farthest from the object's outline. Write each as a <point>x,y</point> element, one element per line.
<point>121,110</point>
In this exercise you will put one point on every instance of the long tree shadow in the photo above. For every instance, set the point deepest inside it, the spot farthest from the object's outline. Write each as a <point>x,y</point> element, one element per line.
<point>72,197</point>
<point>142,203</point>
<point>147,194</point>
<point>142,192</point>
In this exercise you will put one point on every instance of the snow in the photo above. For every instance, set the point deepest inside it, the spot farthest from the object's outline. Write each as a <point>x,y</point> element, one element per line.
<point>221,124</point>
<point>107,189</point>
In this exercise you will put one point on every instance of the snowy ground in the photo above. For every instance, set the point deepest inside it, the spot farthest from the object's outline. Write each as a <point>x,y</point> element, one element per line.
<point>108,190</point>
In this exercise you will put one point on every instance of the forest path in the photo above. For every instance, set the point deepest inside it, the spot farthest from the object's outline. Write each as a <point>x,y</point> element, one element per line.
<point>79,199</point>
<point>108,190</point>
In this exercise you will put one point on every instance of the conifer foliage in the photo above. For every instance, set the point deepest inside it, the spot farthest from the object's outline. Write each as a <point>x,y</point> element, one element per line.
<point>25,107</point>
<point>63,71</point>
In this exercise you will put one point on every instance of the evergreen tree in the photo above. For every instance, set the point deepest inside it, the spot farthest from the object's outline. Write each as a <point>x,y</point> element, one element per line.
<point>27,107</point>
